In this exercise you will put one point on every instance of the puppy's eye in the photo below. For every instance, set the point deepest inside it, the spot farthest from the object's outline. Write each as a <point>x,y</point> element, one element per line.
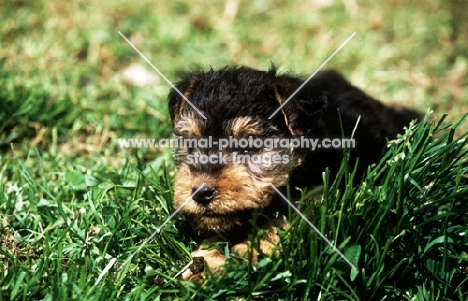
<point>251,150</point>
<point>247,150</point>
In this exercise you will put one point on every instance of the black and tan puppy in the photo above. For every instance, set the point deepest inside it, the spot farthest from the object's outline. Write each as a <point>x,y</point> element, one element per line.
<point>237,102</point>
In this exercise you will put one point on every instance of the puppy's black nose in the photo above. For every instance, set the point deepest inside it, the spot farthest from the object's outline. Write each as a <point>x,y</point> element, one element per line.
<point>203,196</point>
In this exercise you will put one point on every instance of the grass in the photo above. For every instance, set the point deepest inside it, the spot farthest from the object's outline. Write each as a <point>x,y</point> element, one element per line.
<point>72,201</point>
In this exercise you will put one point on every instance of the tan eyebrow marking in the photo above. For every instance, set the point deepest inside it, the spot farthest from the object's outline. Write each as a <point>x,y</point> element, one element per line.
<point>245,126</point>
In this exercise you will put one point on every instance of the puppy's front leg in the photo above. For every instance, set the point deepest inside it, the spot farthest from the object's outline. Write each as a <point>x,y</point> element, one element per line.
<point>213,259</point>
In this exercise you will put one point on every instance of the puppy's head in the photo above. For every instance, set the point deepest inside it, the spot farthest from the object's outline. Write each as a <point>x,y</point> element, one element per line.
<point>223,185</point>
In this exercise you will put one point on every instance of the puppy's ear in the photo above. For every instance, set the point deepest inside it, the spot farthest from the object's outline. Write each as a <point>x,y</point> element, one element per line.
<point>176,102</point>
<point>304,110</point>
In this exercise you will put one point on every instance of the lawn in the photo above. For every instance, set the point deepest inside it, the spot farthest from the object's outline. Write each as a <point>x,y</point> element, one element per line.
<point>74,205</point>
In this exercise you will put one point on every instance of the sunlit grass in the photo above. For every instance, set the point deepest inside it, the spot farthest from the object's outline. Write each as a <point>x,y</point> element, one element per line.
<point>71,200</point>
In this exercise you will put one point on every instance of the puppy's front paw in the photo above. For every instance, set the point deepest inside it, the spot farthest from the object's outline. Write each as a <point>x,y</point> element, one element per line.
<point>201,260</point>
<point>242,250</point>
